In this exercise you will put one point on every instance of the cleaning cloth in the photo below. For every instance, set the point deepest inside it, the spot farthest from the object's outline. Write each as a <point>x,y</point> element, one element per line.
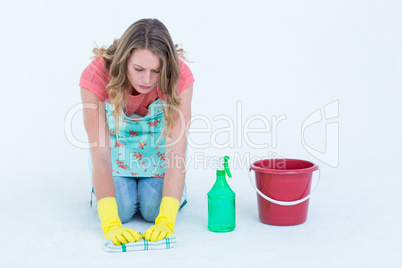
<point>141,245</point>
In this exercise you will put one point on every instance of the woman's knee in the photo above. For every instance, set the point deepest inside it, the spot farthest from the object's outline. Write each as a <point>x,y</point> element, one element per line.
<point>126,197</point>
<point>150,197</point>
<point>126,211</point>
<point>149,213</point>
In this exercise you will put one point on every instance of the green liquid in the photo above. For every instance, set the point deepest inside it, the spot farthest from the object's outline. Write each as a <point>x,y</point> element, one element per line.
<point>221,215</point>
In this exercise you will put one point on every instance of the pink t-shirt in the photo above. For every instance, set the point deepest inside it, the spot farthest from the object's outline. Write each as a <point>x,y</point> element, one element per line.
<point>95,78</point>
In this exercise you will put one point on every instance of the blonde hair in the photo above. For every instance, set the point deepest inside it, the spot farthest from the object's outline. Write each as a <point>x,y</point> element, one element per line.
<point>148,34</point>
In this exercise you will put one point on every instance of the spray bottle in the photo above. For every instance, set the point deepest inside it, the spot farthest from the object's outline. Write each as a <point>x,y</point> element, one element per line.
<point>221,202</point>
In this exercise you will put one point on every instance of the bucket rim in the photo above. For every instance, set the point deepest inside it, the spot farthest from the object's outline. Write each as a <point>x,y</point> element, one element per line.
<point>310,169</point>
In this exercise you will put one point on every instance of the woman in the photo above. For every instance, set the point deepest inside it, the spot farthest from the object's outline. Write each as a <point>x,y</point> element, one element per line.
<point>142,93</point>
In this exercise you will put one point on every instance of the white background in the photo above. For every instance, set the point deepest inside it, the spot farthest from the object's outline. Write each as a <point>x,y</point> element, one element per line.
<point>274,58</point>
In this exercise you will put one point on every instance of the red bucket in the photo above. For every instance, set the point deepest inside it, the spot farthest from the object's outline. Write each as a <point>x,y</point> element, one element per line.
<point>283,187</point>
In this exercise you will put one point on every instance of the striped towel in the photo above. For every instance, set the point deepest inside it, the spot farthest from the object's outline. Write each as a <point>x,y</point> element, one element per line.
<point>141,245</point>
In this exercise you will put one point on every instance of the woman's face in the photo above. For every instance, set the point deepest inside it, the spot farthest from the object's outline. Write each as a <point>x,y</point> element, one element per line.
<point>143,70</point>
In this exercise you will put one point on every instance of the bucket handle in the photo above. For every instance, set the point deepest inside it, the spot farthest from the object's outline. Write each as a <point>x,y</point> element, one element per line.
<point>284,203</point>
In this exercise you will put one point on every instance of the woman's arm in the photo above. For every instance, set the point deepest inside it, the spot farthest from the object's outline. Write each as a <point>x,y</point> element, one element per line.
<point>98,133</point>
<point>175,173</point>
<point>175,156</point>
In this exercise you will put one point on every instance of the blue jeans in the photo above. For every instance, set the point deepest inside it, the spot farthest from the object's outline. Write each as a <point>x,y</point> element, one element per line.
<point>138,193</point>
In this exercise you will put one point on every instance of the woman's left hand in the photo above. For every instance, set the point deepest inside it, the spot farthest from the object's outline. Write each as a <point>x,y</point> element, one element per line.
<point>157,232</point>
<point>164,223</point>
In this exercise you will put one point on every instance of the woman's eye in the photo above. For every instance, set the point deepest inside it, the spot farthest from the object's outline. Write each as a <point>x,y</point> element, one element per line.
<point>157,71</point>
<point>138,70</point>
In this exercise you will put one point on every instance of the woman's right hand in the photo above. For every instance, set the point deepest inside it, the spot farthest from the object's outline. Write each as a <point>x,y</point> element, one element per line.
<point>123,235</point>
<point>111,224</point>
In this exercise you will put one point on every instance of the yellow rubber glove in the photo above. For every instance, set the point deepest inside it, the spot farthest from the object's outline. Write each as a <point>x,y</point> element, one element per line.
<point>164,223</point>
<point>111,224</point>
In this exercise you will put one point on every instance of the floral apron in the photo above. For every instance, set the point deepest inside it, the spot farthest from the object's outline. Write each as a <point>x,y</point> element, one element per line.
<point>140,148</point>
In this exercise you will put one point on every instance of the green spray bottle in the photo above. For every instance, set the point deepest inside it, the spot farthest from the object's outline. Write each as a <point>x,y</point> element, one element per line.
<point>221,202</point>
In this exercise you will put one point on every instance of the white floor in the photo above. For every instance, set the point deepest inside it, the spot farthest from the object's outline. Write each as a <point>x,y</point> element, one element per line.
<point>354,221</point>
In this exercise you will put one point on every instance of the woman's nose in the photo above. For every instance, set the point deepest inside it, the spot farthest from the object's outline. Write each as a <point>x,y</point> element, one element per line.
<point>147,77</point>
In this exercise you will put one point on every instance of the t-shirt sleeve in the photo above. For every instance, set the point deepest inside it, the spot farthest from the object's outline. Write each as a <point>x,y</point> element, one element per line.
<point>95,78</point>
<point>186,77</point>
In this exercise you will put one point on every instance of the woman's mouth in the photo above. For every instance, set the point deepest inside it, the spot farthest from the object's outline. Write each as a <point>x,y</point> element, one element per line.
<point>144,87</point>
